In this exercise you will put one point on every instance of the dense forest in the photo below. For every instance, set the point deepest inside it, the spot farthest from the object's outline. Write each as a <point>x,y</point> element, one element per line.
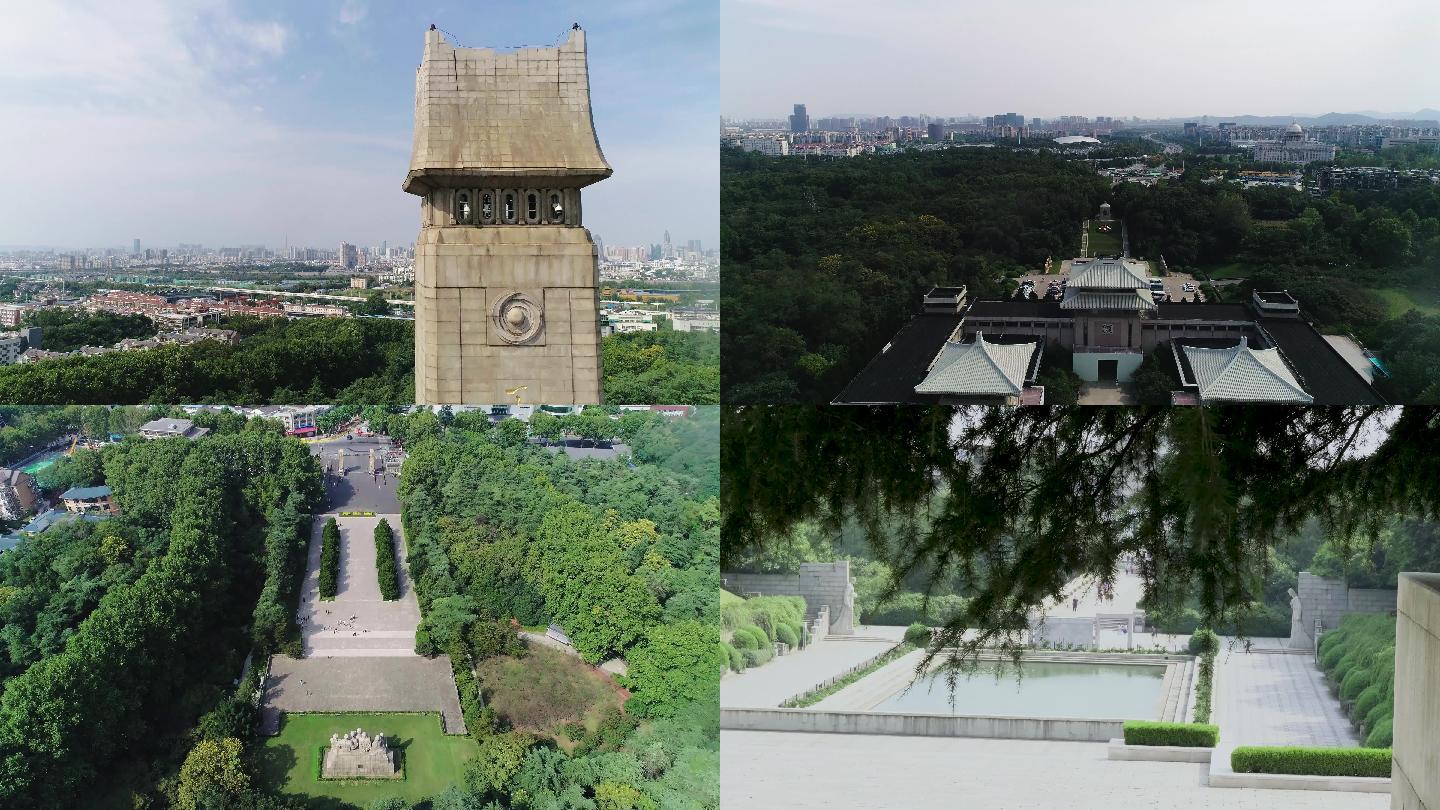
<point>358,361</point>
<point>352,360</point>
<point>124,637</point>
<point>624,557</point>
<point>669,367</point>
<point>1334,253</point>
<point>826,260</point>
<point>65,330</point>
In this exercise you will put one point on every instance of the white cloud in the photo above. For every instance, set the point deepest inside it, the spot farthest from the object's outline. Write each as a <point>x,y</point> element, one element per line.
<point>352,11</point>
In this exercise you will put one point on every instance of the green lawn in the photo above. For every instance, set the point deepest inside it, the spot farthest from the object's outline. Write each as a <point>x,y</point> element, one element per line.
<point>432,760</point>
<point>1400,300</point>
<point>1105,244</point>
<point>1231,270</point>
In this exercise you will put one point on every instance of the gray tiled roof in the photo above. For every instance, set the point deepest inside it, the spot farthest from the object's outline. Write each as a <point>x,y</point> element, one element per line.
<point>978,368</point>
<point>1109,274</point>
<point>1243,374</point>
<point>1128,300</point>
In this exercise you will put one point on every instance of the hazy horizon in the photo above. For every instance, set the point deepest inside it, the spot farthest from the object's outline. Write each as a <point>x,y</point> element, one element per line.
<point>228,122</point>
<point>1048,58</point>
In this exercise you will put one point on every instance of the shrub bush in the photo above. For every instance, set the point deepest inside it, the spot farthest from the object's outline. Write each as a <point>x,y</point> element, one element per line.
<point>329,559</point>
<point>1204,688</point>
<point>424,645</point>
<point>910,608</point>
<point>1366,703</point>
<point>737,661</point>
<point>784,634</point>
<point>385,561</point>
<point>918,634</point>
<point>1312,761</point>
<point>754,658</point>
<point>1204,641</point>
<point>1201,735</point>
<point>1382,735</point>
<point>742,640</point>
<point>1355,682</point>
<point>762,639</point>
<point>1358,659</point>
<point>798,628</point>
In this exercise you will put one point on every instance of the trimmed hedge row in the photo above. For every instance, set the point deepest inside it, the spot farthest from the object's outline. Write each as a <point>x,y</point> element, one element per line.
<point>1198,735</point>
<point>329,559</point>
<point>1358,659</point>
<point>385,561</point>
<point>1204,688</point>
<point>1311,761</point>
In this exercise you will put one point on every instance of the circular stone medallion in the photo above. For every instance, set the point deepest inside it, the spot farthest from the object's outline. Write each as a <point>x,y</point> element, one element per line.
<point>517,318</point>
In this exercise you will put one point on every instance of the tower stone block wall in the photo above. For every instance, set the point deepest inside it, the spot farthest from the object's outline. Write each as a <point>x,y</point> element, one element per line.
<point>506,277</point>
<point>1415,767</point>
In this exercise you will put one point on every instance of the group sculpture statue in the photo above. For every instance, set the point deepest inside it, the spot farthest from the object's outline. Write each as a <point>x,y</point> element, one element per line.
<point>356,754</point>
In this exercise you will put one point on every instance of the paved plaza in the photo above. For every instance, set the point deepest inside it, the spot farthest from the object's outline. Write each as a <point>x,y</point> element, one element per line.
<point>357,622</point>
<point>1275,698</point>
<point>356,489</point>
<point>766,686</point>
<point>359,649</point>
<point>791,770</point>
<point>413,684</point>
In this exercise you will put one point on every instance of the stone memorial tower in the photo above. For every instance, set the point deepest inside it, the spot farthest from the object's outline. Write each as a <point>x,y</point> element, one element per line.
<point>506,299</point>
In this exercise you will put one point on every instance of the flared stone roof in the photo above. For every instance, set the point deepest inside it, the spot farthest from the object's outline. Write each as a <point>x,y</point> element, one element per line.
<point>980,368</point>
<point>1243,374</point>
<point>486,116</point>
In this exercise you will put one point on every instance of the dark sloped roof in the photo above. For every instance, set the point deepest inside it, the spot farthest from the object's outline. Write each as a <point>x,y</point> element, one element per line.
<point>1017,309</point>
<point>891,375</point>
<point>1325,374</point>
<point>1205,312</point>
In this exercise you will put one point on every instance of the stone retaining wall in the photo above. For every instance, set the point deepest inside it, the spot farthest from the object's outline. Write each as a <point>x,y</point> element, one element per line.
<point>1329,601</point>
<point>920,725</point>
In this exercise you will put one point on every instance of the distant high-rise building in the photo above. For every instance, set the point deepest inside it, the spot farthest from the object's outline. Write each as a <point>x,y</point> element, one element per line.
<point>935,131</point>
<point>800,120</point>
<point>693,245</point>
<point>669,248</point>
<point>135,248</point>
<point>385,248</point>
<point>349,256</point>
<point>1191,128</point>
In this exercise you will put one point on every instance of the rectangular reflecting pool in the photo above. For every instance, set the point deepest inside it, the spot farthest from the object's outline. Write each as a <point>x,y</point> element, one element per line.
<point>1044,689</point>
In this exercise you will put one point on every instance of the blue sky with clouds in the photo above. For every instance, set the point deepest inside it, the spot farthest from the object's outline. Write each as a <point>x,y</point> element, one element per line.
<point>229,122</point>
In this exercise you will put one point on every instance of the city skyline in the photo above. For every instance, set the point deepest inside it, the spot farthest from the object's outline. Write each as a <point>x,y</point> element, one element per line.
<point>245,123</point>
<point>1100,58</point>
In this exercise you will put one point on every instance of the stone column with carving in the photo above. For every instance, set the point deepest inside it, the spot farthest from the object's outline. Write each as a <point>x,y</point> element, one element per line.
<point>506,278</point>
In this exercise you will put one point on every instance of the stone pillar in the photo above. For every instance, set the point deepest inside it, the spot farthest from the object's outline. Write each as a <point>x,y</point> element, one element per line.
<point>1415,770</point>
<point>506,279</point>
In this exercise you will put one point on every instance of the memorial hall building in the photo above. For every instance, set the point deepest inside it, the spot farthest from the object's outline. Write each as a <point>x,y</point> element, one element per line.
<point>991,352</point>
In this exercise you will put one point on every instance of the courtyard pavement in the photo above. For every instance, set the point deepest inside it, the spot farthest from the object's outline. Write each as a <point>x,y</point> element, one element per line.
<point>793,770</point>
<point>356,490</point>
<point>766,686</point>
<point>412,684</point>
<point>359,649</point>
<point>1275,698</point>
<point>357,622</point>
